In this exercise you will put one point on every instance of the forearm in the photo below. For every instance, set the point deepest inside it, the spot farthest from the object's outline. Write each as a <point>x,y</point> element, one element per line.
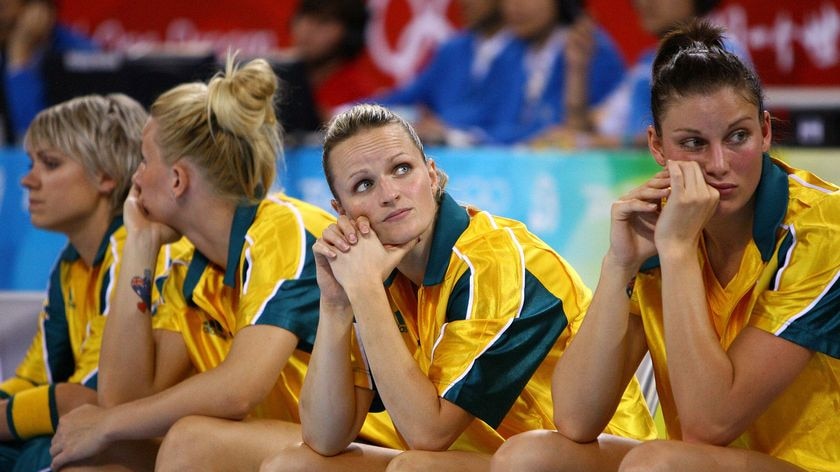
<point>35,411</point>
<point>327,400</point>
<point>585,398</point>
<point>409,396</point>
<point>701,372</point>
<point>127,358</point>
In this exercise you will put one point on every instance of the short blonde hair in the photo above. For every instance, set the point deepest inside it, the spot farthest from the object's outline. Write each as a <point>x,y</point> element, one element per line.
<point>103,133</point>
<point>227,127</point>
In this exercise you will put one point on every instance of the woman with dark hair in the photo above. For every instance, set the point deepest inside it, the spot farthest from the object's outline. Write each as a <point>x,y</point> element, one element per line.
<point>731,262</point>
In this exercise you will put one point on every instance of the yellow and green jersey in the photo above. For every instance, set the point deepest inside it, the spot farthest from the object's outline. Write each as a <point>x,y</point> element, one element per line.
<point>66,345</point>
<point>787,285</point>
<point>496,310</point>
<point>269,280</point>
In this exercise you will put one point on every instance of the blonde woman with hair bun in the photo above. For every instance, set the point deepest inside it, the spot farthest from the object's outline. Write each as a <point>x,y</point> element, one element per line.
<point>234,302</point>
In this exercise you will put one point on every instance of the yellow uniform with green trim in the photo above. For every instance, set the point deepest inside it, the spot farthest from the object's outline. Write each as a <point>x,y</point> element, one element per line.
<point>496,310</point>
<point>270,280</point>
<point>787,285</point>
<point>66,345</point>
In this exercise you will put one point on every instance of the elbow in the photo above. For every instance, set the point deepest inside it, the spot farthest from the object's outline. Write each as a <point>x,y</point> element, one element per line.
<point>237,406</point>
<point>707,432</point>
<point>430,442</point>
<point>578,429</point>
<point>323,446</point>
<point>574,431</point>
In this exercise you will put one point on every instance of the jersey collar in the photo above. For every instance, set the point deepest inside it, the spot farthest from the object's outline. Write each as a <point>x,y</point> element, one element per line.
<point>71,254</point>
<point>771,204</point>
<point>451,221</point>
<point>243,218</point>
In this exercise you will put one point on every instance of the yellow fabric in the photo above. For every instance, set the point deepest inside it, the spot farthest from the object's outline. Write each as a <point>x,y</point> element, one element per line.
<point>32,412</point>
<point>15,385</point>
<point>66,345</point>
<point>793,295</point>
<point>81,288</point>
<point>276,252</point>
<point>485,274</point>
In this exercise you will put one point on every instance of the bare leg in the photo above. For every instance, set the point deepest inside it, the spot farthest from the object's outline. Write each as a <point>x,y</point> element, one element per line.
<point>204,443</point>
<point>301,458</point>
<point>544,451</point>
<point>444,461</point>
<point>687,457</point>
<point>119,457</point>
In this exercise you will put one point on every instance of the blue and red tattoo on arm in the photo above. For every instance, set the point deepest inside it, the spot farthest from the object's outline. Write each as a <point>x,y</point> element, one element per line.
<point>142,286</point>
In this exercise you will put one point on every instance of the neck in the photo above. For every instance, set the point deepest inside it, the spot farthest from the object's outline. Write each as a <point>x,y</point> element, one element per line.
<point>88,234</point>
<point>726,239</point>
<point>208,228</point>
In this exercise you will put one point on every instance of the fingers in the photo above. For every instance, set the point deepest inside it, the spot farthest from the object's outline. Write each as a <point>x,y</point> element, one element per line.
<point>345,232</point>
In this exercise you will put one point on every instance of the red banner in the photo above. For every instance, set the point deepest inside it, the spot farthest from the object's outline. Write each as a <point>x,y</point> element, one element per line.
<point>794,42</point>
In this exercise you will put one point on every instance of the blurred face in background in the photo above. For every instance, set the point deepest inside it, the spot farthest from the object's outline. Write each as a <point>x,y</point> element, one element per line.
<point>316,38</point>
<point>531,20</point>
<point>477,12</point>
<point>9,11</point>
<point>657,16</point>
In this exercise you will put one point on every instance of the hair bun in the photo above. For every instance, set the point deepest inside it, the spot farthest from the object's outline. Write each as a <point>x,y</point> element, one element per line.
<point>692,36</point>
<point>241,100</point>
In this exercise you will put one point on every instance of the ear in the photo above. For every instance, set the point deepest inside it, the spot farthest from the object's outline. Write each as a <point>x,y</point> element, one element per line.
<point>433,174</point>
<point>106,184</point>
<point>179,178</point>
<point>766,131</point>
<point>655,146</point>
<point>337,207</point>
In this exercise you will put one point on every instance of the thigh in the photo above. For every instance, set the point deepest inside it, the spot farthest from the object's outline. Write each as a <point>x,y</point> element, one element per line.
<point>300,458</point>
<point>209,443</point>
<point>690,457</point>
<point>443,461</point>
<point>121,456</point>
<point>550,451</point>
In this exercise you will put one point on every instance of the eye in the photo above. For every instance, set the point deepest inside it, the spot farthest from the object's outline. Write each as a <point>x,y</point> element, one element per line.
<point>50,162</point>
<point>363,185</point>
<point>739,136</point>
<point>691,144</point>
<point>402,169</point>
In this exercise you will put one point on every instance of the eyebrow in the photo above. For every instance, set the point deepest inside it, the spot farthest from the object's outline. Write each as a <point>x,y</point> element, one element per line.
<point>731,125</point>
<point>390,158</point>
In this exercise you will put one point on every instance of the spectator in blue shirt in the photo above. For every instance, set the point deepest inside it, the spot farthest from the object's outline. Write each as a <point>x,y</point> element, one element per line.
<point>28,33</point>
<point>450,99</point>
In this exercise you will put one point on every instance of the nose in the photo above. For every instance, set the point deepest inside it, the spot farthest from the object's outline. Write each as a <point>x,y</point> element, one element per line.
<point>30,179</point>
<point>136,176</point>
<point>388,191</point>
<point>717,163</point>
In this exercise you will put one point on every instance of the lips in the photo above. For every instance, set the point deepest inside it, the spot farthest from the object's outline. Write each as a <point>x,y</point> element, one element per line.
<point>396,215</point>
<point>724,188</point>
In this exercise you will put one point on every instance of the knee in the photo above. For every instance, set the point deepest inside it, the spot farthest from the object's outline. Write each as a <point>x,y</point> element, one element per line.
<point>527,451</point>
<point>408,461</point>
<point>290,459</point>
<point>652,456</point>
<point>187,446</point>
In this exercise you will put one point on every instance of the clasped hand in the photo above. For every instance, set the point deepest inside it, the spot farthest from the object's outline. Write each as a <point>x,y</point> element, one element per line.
<point>350,253</point>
